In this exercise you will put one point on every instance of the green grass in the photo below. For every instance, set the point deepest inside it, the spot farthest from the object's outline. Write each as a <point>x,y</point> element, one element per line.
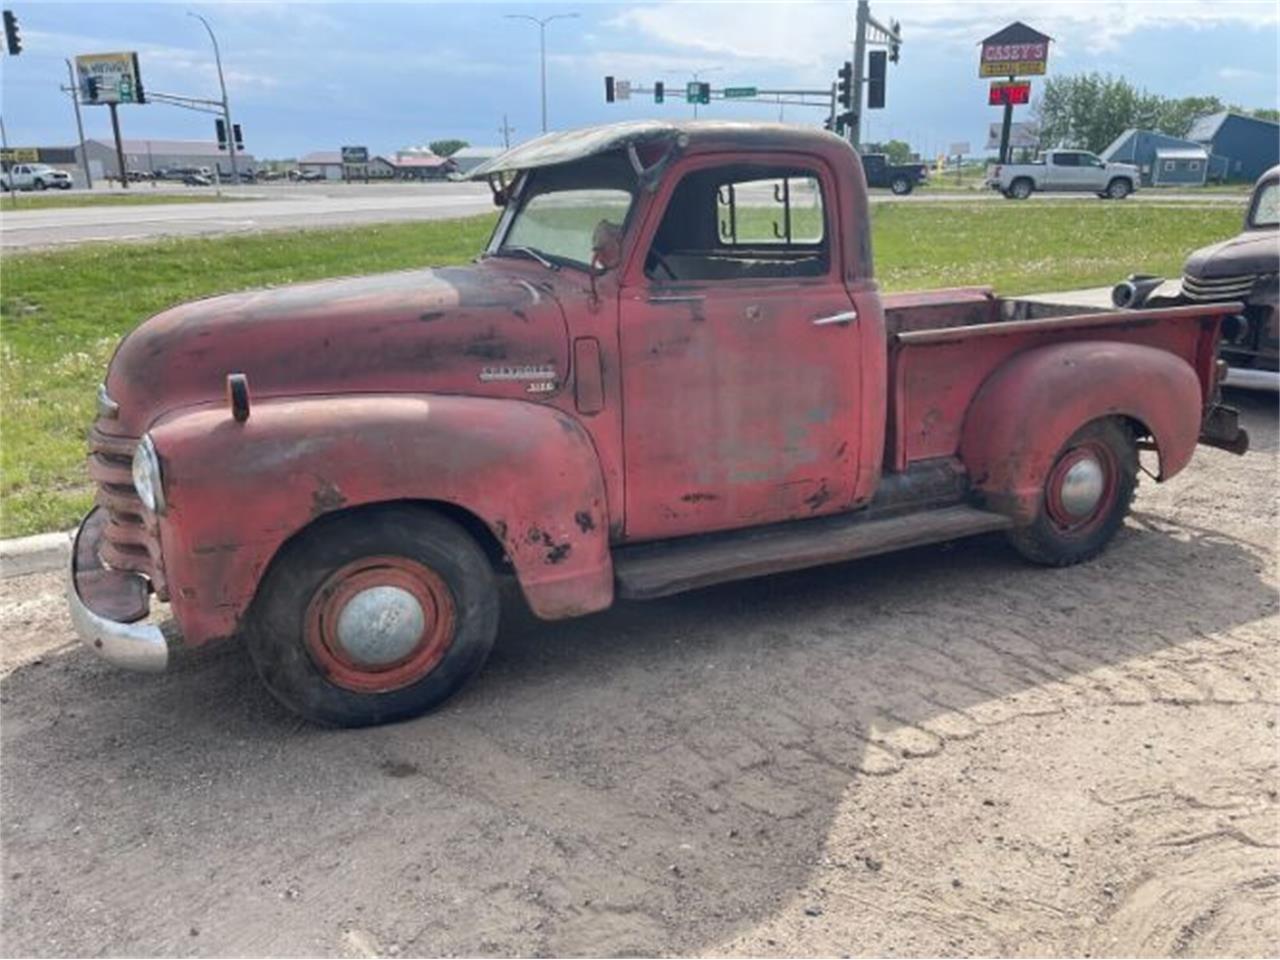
<point>47,200</point>
<point>62,312</point>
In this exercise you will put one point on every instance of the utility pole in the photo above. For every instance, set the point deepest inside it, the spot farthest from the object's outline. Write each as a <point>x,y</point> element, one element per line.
<point>542,49</point>
<point>506,130</point>
<point>115,128</point>
<point>4,145</point>
<point>226,108</point>
<point>859,52</point>
<point>74,91</point>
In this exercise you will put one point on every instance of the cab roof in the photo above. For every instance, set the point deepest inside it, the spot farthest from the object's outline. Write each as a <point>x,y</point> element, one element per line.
<point>565,146</point>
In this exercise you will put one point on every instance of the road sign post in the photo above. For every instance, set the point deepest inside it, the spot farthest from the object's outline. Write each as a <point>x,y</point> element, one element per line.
<point>738,93</point>
<point>1016,51</point>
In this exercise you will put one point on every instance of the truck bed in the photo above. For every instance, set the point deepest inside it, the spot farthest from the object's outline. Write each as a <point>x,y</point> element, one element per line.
<point>943,344</point>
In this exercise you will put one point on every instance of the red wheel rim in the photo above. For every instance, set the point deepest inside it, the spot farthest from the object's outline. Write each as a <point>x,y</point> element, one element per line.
<point>1071,485</point>
<point>380,624</point>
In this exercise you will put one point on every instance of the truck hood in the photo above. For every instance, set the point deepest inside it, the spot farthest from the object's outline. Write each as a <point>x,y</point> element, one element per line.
<point>1254,251</point>
<point>490,329</point>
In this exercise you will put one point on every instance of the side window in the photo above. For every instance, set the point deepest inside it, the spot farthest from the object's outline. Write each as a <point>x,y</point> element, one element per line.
<point>1066,159</point>
<point>741,222</point>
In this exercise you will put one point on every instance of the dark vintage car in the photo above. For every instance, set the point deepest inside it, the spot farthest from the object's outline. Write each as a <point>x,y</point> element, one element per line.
<point>901,178</point>
<point>1245,268</point>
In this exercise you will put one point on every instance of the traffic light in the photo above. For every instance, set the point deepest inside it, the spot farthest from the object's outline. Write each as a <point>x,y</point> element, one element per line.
<point>895,40</point>
<point>875,79</point>
<point>12,38</point>
<point>220,127</point>
<point>608,89</point>
<point>659,91</point>
<point>235,135</point>
<point>846,86</point>
<point>91,89</point>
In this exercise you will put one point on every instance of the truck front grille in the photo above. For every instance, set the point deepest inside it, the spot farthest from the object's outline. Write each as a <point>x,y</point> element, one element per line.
<point>131,541</point>
<point>1219,288</point>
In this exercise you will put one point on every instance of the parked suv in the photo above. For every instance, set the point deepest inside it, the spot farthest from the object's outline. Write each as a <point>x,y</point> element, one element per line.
<point>1065,170</point>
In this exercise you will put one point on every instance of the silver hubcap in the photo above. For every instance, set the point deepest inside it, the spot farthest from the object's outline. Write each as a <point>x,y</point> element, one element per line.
<point>1082,487</point>
<point>381,625</point>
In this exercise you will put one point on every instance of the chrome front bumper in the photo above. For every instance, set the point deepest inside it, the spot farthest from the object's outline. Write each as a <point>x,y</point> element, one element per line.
<point>130,644</point>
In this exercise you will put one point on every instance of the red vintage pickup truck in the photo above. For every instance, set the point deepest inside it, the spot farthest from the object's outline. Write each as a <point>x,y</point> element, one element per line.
<point>671,367</point>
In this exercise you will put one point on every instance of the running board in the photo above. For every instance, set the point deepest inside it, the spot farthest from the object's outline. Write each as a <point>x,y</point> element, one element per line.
<point>673,566</point>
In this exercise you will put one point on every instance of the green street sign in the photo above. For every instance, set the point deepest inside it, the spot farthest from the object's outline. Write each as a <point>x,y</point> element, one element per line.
<point>695,92</point>
<point>732,92</point>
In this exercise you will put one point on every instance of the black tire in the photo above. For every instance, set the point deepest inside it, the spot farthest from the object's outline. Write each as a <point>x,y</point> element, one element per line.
<point>281,635</point>
<point>1021,189</point>
<point>901,186</point>
<point>1119,188</point>
<point>39,184</point>
<point>1052,541</point>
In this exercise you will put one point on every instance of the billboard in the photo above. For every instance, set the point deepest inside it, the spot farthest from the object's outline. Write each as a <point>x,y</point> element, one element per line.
<point>353,155</point>
<point>1016,51</point>
<point>109,78</point>
<point>1020,135</point>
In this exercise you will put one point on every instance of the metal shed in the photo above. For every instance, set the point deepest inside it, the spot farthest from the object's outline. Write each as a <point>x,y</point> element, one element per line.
<point>1180,165</point>
<point>1242,147</point>
<point>1140,147</point>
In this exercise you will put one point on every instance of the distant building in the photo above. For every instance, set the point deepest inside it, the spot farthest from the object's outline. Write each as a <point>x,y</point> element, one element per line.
<point>327,163</point>
<point>1161,159</point>
<point>424,167</point>
<point>468,158</point>
<point>1240,147</point>
<point>152,156</point>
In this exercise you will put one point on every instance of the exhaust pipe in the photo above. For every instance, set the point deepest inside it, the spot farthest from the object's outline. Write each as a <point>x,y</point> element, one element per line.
<point>1133,293</point>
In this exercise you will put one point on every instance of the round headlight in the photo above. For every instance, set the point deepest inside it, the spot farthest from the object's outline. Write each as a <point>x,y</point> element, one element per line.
<point>146,475</point>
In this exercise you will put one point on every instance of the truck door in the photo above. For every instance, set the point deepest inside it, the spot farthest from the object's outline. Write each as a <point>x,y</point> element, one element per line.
<point>1067,172</point>
<point>739,346</point>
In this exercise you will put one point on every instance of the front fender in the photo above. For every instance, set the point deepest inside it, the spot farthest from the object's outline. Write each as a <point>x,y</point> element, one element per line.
<point>237,492</point>
<point>1031,405</point>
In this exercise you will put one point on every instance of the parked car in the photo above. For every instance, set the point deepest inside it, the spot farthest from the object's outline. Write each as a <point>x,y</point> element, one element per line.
<point>139,176</point>
<point>901,178</point>
<point>1244,270</point>
<point>35,176</point>
<point>196,180</point>
<point>692,379</point>
<point>1065,170</point>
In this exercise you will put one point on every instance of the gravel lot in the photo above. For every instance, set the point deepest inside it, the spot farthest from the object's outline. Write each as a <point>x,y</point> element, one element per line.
<point>939,752</point>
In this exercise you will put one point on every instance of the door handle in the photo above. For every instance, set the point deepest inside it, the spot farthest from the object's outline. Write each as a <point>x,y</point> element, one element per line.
<point>837,319</point>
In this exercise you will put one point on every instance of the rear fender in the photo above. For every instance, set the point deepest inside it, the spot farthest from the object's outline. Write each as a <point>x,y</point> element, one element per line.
<point>237,492</point>
<point>1031,405</point>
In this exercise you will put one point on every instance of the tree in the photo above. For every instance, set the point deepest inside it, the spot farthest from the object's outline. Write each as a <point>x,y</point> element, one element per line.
<point>896,151</point>
<point>447,148</point>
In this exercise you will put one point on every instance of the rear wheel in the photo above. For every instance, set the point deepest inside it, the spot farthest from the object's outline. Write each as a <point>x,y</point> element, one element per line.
<point>1021,189</point>
<point>373,617</point>
<point>900,185</point>
<point>1086,496</point>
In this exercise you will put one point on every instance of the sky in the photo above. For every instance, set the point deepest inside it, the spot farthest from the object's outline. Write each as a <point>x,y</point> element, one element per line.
<point>315,76</point>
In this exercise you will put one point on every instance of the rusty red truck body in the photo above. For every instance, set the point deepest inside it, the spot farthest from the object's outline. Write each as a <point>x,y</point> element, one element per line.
<point>671,367</point>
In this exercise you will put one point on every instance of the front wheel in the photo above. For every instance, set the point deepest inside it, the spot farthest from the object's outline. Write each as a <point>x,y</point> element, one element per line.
<point>901,186</point>
<point>375,616</point>
<point>1085,499</point>
<point>39,184</point>
<point>1118,189</point>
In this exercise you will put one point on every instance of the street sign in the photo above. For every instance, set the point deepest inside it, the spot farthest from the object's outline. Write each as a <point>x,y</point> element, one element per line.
<point>116,78</point>
<point>695,92</point>
<point>1016,92</point>
<point>622,89</point>
<point>733,93</point>
<point>1015,51</point>
<point>355,154</point>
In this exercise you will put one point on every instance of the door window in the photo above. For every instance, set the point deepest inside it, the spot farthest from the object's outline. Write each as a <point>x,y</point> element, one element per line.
<point>730,223</point>
<point>1066,159</point>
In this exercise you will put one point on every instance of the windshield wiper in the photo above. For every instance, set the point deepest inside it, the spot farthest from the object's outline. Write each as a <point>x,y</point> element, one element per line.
<point>532,254</point>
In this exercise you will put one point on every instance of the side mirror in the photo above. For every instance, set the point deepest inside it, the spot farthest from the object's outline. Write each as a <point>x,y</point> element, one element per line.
<point>606,246</point>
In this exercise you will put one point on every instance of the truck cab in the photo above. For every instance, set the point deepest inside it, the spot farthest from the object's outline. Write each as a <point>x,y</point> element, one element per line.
<point>670,367</point>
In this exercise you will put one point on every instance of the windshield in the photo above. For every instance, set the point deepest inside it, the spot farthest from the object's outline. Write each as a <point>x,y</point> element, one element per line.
<point>1266,206</point>
<point>559,208</point>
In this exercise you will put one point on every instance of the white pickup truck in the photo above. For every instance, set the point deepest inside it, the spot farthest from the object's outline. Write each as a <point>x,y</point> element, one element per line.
<point>34,176</point>
<point>1065,170</point>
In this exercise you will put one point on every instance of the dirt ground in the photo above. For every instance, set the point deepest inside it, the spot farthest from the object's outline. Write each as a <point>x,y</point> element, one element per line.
<point>941,752</point>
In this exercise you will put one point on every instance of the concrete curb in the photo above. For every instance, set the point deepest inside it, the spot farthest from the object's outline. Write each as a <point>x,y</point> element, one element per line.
<point>37,554</point>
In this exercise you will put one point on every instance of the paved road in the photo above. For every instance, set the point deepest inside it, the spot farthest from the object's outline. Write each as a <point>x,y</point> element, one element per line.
<point>944,752</point>
<point>291,206</point>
